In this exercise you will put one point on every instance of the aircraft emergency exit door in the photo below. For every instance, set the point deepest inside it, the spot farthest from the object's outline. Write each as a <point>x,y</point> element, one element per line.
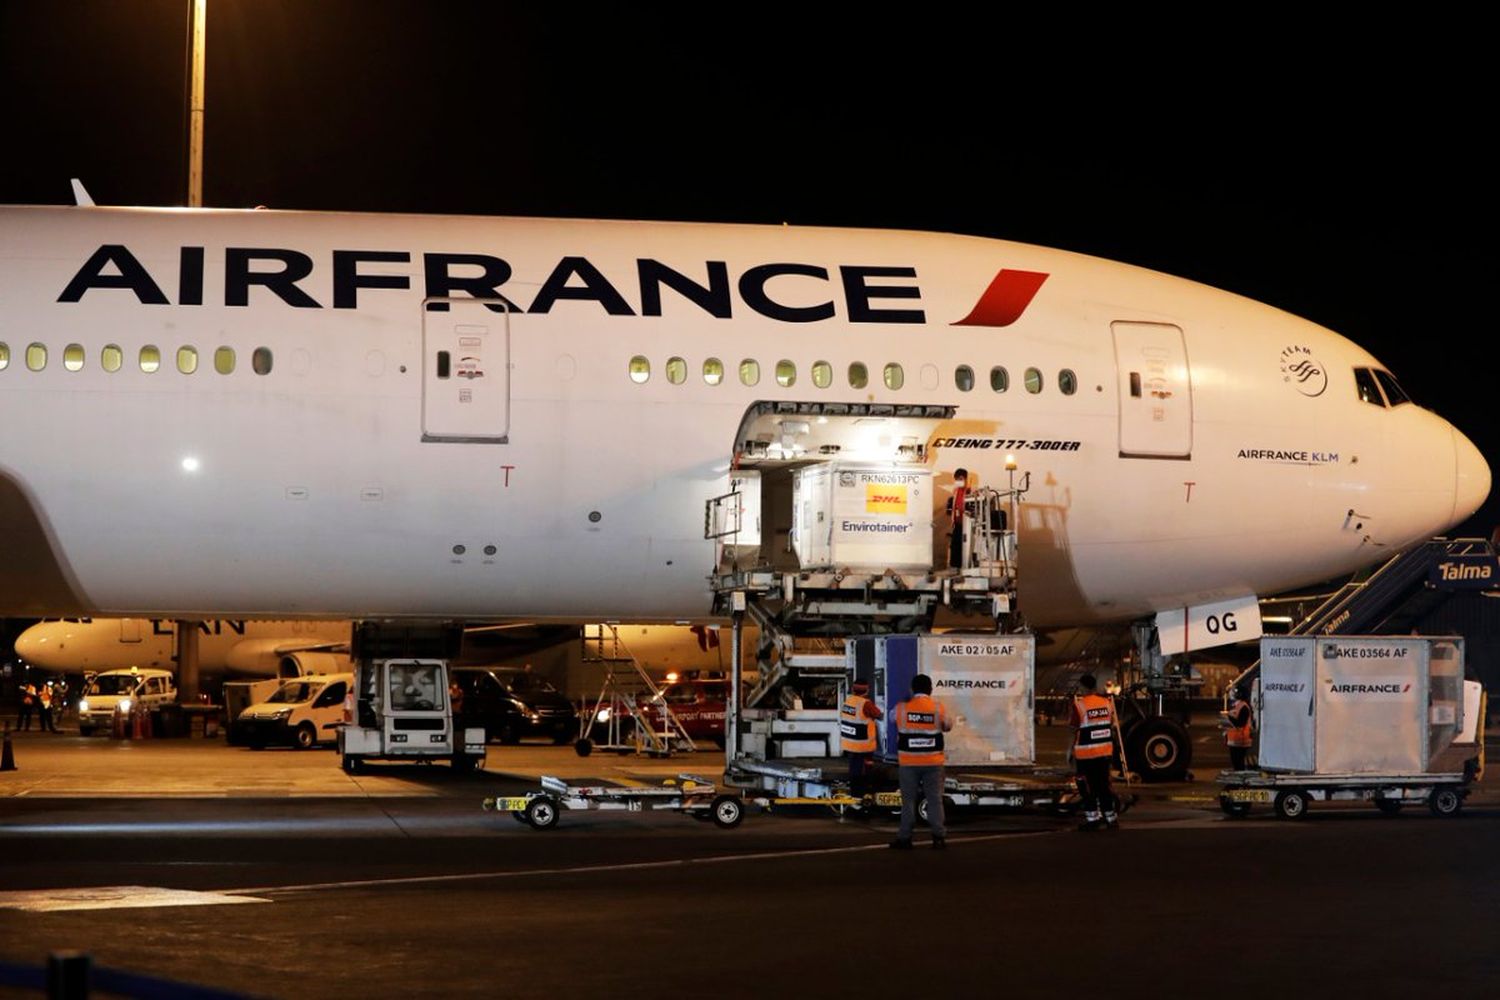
<point>465,371</point>
<point>1156,393</point>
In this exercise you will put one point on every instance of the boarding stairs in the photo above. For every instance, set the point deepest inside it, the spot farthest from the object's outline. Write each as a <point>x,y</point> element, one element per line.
<point>1391,599</point>
<point>626,690</point>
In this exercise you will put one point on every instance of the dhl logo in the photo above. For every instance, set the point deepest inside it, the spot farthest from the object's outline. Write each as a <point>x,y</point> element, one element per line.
<point>884,498</point>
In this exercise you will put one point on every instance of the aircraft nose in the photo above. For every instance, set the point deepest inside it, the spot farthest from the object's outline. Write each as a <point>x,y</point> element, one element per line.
<point>1471,480</point>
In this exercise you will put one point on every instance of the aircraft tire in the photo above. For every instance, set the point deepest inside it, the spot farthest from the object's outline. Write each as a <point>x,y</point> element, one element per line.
<point>1158,749</point>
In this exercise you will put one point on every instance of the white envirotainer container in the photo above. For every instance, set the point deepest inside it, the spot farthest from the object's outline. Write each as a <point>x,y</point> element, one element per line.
<point>1358,704</point>
<point>863,517</point>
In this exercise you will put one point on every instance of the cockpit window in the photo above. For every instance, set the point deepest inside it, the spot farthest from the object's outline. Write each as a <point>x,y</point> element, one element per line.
<point>1393,391</point>
<point>1369,392</point>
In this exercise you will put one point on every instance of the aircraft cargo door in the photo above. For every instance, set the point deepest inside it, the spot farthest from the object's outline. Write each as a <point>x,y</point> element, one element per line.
<point>465,371</point>
<point>1156,393</point>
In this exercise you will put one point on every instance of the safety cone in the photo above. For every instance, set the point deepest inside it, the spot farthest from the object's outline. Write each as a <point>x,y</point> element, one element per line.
<point>7,756</point>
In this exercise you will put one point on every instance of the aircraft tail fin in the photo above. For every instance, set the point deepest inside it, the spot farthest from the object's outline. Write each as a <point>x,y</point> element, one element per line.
<point>80,195</point>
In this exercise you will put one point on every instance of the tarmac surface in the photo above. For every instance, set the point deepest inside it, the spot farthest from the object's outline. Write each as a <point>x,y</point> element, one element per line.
<point>275,874</point>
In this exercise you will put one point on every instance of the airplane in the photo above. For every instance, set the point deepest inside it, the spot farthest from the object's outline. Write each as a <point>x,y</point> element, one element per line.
<point>249,648</point>
<point>271,414</point>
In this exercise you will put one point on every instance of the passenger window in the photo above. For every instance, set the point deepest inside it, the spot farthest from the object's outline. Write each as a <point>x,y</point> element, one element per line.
<point>260,361</point>
<point>963,377</point>
<point>111,358</point>
<point>999,379</point>
<point>749,372</point>
<point>150,358</point>
<point>676,371</point>
<point>224,360</point>
<point>786,373</point>
<point>36,357</point>
<point>859,375</point>
<point>895,378</point>
<point>1369,392</point>
<point>187,360</point>
<point>73,357</point>
<point>822,374</point>
<point>1067,382</point>
<point>4,357</point>
<point>640,369</point>
<point>1394,394</point>
<point>1033,380</point>
<point>713,371</point>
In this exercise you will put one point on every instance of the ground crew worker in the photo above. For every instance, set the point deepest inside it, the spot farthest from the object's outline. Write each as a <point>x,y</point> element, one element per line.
<point>28,703</point>
<point>44,702</point>
<point>921,722</point>
<point>1237,729</point>
<point>857,718</point>
<point>1093,721</point>
<point>956,511</point>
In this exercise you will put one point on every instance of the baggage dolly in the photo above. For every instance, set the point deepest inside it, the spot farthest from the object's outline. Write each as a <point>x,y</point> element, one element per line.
<point>1290,794</point>
<point>688,794</point>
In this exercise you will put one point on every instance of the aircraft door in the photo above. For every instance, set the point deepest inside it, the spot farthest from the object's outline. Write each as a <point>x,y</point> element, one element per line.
<point>1156,393</point>
<point>465,371</point>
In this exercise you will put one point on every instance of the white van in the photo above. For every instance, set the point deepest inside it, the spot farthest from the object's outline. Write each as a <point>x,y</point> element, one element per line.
<point>122,689</point>
<point>304,712</point>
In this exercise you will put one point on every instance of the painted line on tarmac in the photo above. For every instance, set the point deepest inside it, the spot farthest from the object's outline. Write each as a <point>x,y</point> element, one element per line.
<point>596,869</point>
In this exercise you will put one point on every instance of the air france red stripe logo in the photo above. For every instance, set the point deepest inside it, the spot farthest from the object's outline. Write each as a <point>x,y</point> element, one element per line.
<point>1006,299</point>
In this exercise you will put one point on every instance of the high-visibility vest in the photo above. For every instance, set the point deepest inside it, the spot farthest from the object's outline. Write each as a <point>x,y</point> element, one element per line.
<point>919,732</point>
<point>856,731</point>
<point>1096,727</point>
<point>1239,736</point>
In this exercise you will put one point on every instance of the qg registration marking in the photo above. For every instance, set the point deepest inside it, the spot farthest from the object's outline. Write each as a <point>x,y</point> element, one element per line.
<point>976,649</point>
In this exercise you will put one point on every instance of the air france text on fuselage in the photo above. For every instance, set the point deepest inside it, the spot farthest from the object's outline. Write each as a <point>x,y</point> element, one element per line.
<point>789,292</point>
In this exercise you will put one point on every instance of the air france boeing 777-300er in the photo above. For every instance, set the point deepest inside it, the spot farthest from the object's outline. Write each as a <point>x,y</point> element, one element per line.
<point>266,414</point>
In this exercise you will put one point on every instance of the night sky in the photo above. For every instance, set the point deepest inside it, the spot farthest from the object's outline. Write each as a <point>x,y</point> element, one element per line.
<point>1337,170</point>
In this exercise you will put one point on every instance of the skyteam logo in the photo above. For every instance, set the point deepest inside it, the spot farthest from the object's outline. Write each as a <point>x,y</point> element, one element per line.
<point>1306,373</point>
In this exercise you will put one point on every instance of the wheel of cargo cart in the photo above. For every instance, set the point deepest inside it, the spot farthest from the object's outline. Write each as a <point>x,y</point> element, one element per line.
<point>463,762</point>
<point>542,812</point>
<point>352,764</point>
<point>1445,802</point>
<point>584,747</point>
<point>727,811</point>
<point>1291,804</point>
<point>1235,809</point>
<point>1388,807</point>
<point>1158,750</point>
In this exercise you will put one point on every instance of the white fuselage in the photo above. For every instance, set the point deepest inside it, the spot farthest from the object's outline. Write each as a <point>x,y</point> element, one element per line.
<point>352,481</point>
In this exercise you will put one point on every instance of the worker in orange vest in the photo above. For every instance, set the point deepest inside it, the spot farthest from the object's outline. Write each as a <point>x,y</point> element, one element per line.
<point>857,718</point>
<point>921,722</point>
<point>1093,721</point>
<point>1236,724</point>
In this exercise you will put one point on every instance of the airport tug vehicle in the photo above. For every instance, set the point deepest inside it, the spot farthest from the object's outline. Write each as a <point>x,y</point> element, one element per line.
<point>1387,720</point>
<point>399,709</point>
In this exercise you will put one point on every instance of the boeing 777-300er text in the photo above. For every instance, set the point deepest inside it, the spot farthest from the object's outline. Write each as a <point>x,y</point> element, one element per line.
<point>245,414</point>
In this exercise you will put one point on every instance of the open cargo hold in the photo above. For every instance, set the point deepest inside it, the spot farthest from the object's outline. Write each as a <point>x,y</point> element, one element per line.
<point>1359,705</point>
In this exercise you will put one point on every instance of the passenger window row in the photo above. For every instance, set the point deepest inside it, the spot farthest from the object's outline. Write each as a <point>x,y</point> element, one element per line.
<point>858,375</point>
<point>112,358</point>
